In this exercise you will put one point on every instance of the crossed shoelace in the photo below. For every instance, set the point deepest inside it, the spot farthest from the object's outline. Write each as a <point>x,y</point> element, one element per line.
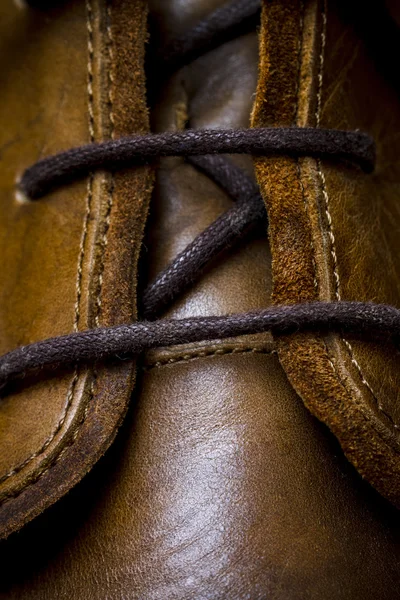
<point>203,149</point>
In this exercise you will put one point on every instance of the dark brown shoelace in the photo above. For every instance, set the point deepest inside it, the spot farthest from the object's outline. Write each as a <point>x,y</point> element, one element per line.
<point>198,146</point>
<point>64,167</point>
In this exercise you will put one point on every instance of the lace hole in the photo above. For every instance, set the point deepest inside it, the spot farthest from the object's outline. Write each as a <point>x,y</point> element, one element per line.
<point>20,195</point>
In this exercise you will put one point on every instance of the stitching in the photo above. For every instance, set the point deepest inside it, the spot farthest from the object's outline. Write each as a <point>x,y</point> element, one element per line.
<point>40,474</point>
<point>89,25</point>
<point>330,226</point>
<point>206,354</point>
<point>43,448</point>
<point>71,390</point>
<point>104,239</point>
<point>362,413</point>
<point>330,231</point>
<point>368,386</point>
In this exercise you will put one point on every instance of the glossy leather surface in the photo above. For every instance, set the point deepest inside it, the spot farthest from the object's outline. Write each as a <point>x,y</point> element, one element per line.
<point>68,261</point>
<point>220,483</point>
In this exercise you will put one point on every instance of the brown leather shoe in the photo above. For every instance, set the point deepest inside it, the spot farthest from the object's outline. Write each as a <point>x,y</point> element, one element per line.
<point>221,482</point>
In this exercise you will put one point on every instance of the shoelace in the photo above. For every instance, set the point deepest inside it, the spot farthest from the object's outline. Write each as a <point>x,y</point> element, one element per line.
<point>366,319</point>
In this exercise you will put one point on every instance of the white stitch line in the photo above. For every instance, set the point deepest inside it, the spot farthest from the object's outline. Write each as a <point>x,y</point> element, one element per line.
<point>365,382</point>
<point>89,22</point>
<point>71,388</point>
<point>330,226</point>
<point>104,239</point>
<point>319,168</point>
<point>110,200</point>
<point>330,231</point>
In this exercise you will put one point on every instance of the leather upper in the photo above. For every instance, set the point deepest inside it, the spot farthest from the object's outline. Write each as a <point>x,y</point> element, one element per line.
<point>68,261</point>
<point>332,228</point>
<point>221,484</point>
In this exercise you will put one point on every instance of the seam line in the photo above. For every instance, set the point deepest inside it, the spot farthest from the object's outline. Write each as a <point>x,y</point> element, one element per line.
<point>205,354</point>
<point>330,226</point>
<point>104,239</point>
<point>71,389</point>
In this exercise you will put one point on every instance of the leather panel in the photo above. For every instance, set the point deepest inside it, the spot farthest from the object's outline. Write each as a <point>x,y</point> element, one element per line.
<point>221,484</point>
<point>66,260</point>
<point>332,226</point>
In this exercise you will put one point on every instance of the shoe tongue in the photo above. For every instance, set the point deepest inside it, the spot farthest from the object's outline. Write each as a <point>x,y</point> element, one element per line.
<point>207,93</point>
